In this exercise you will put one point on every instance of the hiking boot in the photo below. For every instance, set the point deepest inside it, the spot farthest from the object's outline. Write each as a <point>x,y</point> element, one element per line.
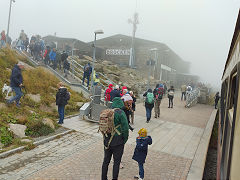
<point>155,116</point>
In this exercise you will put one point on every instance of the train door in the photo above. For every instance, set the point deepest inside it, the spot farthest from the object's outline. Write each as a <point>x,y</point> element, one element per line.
<point>228,130</point>
<point>235,141</point>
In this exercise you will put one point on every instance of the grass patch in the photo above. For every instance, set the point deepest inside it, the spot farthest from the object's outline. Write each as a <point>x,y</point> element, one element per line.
<point>36,81</point>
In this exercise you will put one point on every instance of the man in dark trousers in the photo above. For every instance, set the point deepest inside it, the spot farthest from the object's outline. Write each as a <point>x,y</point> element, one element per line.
<point>62,98</point>
<point>16,83</point>
<point>87,72</point>
<point>116,146</point>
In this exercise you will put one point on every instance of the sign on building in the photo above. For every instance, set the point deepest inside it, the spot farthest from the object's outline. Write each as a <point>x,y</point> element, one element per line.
<point>118,52</point>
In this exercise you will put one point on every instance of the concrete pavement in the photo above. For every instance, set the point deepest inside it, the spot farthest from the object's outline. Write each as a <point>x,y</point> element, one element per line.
<point>176,137</point>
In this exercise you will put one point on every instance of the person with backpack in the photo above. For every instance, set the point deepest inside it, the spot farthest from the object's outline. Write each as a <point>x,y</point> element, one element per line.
<point>141,150</point>
<point>62,98</point>
<point>127,100</point>
<point>158,94</point>
<point>87,72</point>
<point>149,103</point>
<point>114,127</point>
<point>170,97</point>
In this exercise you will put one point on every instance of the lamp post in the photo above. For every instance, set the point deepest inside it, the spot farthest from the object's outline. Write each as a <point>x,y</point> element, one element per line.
<point>156,62</point>
<point>94,56</point>
<point>160,76</point>
<point>9,17</point>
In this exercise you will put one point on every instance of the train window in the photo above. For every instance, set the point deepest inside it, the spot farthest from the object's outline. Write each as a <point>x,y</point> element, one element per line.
<point>224,93</point>
<point>233,91</point>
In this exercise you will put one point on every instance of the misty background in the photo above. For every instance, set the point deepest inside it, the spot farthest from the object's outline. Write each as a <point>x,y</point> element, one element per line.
<point>199,31</point>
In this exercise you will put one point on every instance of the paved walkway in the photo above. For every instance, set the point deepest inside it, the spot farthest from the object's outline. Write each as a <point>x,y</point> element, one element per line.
<point>176,137</point>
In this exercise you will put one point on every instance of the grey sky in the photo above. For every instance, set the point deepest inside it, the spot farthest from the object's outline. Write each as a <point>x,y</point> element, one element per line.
<point>199,31</point>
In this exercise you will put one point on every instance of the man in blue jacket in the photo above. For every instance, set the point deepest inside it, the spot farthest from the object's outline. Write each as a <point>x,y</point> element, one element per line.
<point>16,83</point>
<point>52,57</point>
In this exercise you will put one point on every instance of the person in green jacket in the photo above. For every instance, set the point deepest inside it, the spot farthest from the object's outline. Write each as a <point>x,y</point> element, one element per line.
<point>116,146</point>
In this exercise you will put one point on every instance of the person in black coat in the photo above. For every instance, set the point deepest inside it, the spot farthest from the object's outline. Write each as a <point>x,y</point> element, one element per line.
<point>62,98</point>
<point>16,83</point>
<point>66,67</point>
<point>115,93</point>
<point>217,97</point>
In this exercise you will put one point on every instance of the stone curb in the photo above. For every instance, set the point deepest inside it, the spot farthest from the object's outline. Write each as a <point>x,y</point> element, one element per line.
<point>13,151</point>
<point>197,167</point>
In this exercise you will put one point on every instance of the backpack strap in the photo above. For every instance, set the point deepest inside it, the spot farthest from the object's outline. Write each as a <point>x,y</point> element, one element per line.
<point>110,140</point>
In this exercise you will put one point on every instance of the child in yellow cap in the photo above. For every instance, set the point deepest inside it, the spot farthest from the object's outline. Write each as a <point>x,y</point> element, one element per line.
<point>141,150</point>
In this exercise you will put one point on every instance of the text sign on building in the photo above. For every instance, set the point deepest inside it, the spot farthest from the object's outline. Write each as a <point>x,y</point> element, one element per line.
<point>118,52</point>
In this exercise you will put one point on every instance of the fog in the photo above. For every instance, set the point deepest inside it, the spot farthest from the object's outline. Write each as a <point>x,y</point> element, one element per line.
<point>199,31</point>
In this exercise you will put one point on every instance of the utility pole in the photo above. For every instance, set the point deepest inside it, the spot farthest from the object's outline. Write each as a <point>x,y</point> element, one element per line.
<point>134,22</point>
<point>9,17</point>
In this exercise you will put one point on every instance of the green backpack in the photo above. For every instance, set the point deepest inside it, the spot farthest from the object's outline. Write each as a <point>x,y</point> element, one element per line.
<point>150,98</point>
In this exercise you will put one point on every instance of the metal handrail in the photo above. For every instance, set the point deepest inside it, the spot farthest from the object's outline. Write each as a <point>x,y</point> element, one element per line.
<point>191,97</point>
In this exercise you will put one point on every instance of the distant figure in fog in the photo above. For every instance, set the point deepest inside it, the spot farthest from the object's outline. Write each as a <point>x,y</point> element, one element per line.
<point>217,97</point>
<point>3,39</point>
<point>170,97</point>
<point>183,90</point>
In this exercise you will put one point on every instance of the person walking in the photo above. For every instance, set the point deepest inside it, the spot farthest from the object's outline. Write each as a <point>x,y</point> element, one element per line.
<point>62,98</point>
<point>158,94</point>
<point>133,106</point>
<point>87,72</point>
<point>66,68</point>
<point>141,150</point>
<point>52,56</point>
<point>46,55</point>
<point>149,103</point>
<point>115,146</point>
<point>170,97</point>
<point>96,79</point>
<point>16,83</point>
<point>217,97</point>
<point>183,90</point>
<point>127,100</point>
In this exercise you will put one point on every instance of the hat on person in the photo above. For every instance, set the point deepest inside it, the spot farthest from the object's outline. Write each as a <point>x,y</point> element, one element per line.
<point>20,63</point>
<point>117,87</point>
<point>142,132</point>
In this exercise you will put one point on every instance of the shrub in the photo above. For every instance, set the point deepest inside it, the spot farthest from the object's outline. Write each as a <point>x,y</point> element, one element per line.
<point>6,136</point>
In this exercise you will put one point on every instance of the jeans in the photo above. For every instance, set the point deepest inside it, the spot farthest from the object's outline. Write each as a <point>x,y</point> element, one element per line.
<point>157,108</point>
<point>148,113</point>
<point>3,43</point>
<point>141,170</point>
<point>183,94</point>
<point>61,114</point>
<point>117,152</point>
<point>170,102</point>
<point>18,96</point>
<point>86,76</point>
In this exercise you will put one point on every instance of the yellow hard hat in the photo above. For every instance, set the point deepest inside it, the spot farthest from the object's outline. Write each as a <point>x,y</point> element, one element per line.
<point>142,132</point>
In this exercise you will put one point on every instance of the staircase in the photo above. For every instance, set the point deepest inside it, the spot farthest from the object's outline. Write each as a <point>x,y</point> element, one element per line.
<point>76,72</point>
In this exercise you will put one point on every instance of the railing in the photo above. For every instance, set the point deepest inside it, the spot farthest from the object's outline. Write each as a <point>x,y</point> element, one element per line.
<point>192,97</point>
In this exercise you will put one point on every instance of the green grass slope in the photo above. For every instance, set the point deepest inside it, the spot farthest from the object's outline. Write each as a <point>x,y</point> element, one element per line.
<point>36,81</point>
